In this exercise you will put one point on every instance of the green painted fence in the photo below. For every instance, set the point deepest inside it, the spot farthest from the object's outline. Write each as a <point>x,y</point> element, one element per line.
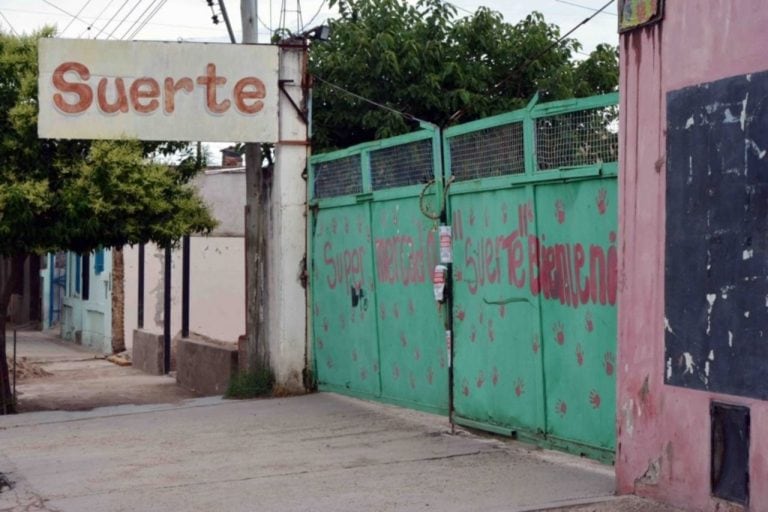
<point>531,198</point>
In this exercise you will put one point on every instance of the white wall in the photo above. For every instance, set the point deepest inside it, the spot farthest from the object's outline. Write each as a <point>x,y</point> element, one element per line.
<point>217,269</point>
<point>223,190</point>
<point>217,288</point>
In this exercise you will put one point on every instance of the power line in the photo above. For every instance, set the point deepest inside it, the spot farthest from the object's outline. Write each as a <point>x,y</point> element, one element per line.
<point>517,69</point>
<point>585,7</point>
<point>264,25</point>
<point>9,24</point>
<point>149,17</point>
<point>111,19</point>
<point>460,8</point>
<point>546,50</point>
<point>405,115</point>
<point>312,19</point>
<point>135,5</point>
<point>97,18</point>
<point>137,20</point>
<point>85,19</point>
<point>75,17</point>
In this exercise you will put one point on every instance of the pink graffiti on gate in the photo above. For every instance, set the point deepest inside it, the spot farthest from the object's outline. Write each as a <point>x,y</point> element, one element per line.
<point>574,273</point>
<point>401,260</point>
<point>346,267</point>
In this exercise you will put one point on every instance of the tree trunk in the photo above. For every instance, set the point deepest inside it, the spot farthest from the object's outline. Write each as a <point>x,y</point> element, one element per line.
<point>11,273</point>
<point>35,292</point>
<point>118,301</point>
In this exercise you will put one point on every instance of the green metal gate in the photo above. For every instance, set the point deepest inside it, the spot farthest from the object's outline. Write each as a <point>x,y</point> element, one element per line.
<point>378,332</point>
<point>531,199</point>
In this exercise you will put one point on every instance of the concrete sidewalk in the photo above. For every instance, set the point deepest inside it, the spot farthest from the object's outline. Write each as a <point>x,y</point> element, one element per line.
<point>318,452</point>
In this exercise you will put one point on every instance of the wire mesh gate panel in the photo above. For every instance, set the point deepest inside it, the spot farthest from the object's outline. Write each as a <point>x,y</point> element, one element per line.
<point>377,330</point>
<point>534,273</point>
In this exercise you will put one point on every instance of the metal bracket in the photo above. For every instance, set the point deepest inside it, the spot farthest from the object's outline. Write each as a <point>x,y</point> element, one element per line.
<point>299,110</point>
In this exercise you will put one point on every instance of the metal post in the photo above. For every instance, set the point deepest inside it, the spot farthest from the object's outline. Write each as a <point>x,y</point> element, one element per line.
<point>185,270</point>
<point>141,286</point>
<point>52,284</point>
<point>14,371</point>
<point>167,312</point>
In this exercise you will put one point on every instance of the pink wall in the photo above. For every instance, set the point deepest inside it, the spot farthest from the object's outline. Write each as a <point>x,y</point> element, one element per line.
<point>663,431</point>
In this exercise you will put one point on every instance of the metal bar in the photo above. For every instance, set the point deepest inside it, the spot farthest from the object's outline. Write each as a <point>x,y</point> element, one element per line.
<point>141,287</point>
<point>442,158</point>
<point>167,312</point>
<point>299,111</point>
<point>52,284</point>
<point>185,270</point>
<point>226,21</point>
<point>14,370</point>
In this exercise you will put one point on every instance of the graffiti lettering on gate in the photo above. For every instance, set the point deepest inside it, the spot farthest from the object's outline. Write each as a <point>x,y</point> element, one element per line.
<point>401,260</point>
<point>345,267</point>
<point>574,273</point>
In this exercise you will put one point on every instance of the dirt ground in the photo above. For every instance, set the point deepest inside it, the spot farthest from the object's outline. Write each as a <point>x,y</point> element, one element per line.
<point>58,375</point>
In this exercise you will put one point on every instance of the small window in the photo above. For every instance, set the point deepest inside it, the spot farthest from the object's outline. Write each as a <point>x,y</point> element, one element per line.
<point>98,262</point>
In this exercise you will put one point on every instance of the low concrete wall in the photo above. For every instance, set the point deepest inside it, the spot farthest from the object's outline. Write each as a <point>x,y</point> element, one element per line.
<point>148,352</point>
<point>205,367</point>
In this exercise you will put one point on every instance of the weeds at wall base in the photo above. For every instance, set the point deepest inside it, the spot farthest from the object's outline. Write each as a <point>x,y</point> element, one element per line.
<point>246,385</point>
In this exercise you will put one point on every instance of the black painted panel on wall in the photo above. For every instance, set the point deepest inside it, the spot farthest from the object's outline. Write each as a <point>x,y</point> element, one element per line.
<point>716,276</point>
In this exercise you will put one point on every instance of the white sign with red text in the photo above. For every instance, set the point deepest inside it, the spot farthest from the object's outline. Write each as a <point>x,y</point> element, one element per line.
<point>92,89</point>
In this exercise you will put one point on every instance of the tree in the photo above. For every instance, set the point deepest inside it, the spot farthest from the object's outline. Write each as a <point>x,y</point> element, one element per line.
<point>77,195</point>
<point>423,60</point>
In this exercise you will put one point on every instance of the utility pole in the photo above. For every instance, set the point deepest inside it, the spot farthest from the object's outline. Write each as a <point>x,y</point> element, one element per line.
<point>257,204</point>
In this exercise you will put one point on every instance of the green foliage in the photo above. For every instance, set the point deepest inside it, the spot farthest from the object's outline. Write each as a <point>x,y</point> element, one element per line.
<point>424,60</point>
<point>80,195</point>
<point>250,385</point>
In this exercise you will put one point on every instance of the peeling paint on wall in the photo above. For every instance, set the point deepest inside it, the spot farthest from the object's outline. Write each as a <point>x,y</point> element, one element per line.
<point>716,254</point>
